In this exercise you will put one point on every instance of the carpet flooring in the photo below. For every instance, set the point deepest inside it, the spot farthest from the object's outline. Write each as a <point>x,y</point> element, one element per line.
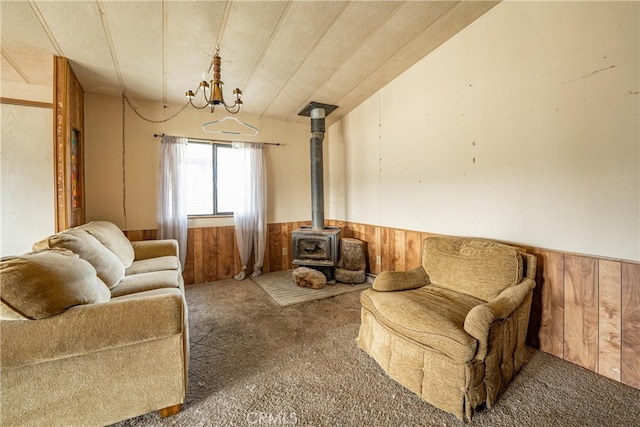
<point>254,363</point>
<point>279,285</point>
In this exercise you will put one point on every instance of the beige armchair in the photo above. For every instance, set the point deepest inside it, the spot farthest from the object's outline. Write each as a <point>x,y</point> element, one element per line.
<point>452,330</point>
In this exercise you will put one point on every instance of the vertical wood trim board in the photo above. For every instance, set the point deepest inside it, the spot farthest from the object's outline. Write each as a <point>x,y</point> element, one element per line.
<point>630,354</point>
<point>610,318</point>
<point>581,311</point>
<point>585,309</point>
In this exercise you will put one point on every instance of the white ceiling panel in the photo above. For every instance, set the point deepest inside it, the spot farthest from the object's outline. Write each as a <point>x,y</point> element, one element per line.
<point>26,44</point>
<point>140,61</point>
<point>249,29</point>
<point>282,54</point>
<point>402,27</point>
<point>78,30</point>
<point>191,30</point>
<point>348,33</point>
<point>289,48</point>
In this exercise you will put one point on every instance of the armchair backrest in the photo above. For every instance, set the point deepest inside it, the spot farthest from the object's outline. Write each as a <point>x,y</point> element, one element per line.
<point>477,267</point>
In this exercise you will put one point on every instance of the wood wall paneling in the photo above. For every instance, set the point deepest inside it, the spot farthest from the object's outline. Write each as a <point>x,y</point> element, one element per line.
<point>210,243</point>
<point>548,302</point>
<point>412,249</point>
<point>581,311</point>
<point>585,310</point>
<point>631,324</point>
<point>275,245</point>
<point>610,321</point>
<point>187,272</point>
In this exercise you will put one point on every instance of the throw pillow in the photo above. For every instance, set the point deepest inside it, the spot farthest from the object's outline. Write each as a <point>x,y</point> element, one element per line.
<point>43,284</point>
<point>108,266</point>
<point>113,238</point>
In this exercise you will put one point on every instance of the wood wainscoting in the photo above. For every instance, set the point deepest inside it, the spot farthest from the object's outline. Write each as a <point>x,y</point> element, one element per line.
<point>585,309</point>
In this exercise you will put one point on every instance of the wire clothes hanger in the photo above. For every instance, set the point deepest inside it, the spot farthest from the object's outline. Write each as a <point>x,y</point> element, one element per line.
<point>253,132</point>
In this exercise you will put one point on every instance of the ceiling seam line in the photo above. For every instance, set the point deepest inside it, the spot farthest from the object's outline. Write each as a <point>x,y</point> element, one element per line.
<point>223,27</point>
<point>362,45</point>
<point>440,17</point>
<point>15,66</point>
<point>306,58</point>
<point>165,24</point>
<point>112,50</point>
<point>46,28</point>
<point>269,42</point>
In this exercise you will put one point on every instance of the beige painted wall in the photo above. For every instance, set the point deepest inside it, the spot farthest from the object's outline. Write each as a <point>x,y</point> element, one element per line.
<point>524,127</point>
<point>288,172</point>
<point>27,205</point>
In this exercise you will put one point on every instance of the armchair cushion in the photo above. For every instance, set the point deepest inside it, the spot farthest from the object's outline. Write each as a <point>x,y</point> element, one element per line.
<point>401,280</point>
<point>482,268</point>
<point>441,313</point>
<point>43,284</point>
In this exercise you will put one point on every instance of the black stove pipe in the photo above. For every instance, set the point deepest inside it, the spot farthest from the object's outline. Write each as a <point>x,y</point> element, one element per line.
<point>317,181</point>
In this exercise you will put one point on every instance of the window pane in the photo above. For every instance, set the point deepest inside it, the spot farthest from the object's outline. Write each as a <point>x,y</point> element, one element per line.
<point>225,179</point>
<point>199,179</point>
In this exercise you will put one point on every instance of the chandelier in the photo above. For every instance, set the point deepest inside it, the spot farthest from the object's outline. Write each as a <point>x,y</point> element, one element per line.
<point>212,91</point>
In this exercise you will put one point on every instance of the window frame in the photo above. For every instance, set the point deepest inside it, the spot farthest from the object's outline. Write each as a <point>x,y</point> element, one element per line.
<point>214,168</point>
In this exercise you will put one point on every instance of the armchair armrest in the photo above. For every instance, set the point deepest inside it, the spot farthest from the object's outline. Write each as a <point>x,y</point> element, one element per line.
<point>481,317</point>
<point>145,249</point>
<point>401,280</point>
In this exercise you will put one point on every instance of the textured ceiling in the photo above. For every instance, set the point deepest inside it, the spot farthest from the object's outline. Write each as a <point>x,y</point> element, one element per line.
<point>282,54</point>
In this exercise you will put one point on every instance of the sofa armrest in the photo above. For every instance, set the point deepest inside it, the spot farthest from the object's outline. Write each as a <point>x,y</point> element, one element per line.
<point>401,280</point>
<point>481,317</point>
<point>145,249</point>
<point>90,328</point>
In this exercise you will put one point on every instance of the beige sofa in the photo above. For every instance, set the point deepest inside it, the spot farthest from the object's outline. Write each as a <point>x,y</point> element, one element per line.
<point>94,329</point>
<point>452,330</point>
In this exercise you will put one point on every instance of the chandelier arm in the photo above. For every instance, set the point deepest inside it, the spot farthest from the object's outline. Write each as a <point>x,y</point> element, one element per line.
<point>229,108</point>
<point>196,107</point>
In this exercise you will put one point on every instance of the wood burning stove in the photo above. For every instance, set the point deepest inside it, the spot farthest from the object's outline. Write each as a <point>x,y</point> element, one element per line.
<point>317,246</point>
<point>319,249</point>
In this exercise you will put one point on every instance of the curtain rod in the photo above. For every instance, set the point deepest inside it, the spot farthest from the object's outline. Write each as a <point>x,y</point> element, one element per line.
<point>160,135</point>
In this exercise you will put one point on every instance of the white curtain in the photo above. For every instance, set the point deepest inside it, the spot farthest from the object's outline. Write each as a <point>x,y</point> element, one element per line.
<point>172,200</point>
<point>250,209</point>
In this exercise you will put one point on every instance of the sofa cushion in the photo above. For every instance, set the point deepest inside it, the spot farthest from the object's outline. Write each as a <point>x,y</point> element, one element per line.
<point>480,268</point>
<point>43,284</point>
<point>147,281</point>
<point>431,315</point>
<point>112,238</point>
<point>153,264</point>
<point>108,266</point>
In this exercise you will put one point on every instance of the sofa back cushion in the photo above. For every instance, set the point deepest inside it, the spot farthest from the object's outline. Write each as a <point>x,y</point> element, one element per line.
<point>112,238</point>
<point>107,265</point>
<point>476,267</point>
<point>43,284</point>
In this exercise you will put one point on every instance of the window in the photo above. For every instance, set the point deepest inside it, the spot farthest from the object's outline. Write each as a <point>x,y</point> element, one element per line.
<point>209,179</point>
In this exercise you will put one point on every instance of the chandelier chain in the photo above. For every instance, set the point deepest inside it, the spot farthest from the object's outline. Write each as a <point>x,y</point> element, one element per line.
<point>124,175</point>
<point>124,147</point>
<point>135,110</point>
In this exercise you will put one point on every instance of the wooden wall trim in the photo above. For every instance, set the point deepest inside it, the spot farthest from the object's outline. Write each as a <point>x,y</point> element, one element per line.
<point>68,120</point>
<point>25,103</point>
<point>585,309</point>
